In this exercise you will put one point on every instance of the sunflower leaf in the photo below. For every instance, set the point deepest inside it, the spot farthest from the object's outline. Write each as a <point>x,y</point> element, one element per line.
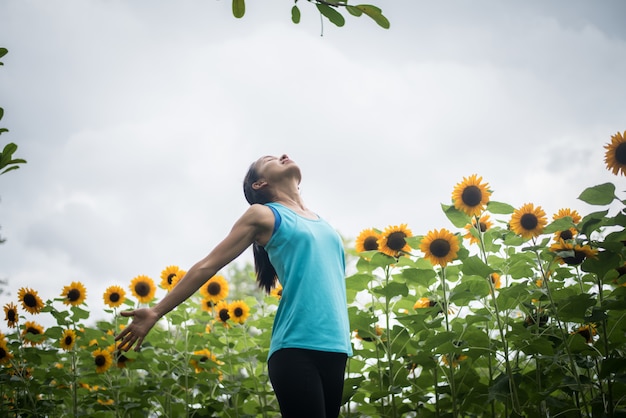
<point>560,224</point>
<point>474,266</point>
<point>500,208</point>
<point>602,194</point>
<point>458,218</point>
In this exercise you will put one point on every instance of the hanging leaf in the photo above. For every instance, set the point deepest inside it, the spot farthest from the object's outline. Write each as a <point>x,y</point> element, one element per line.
<point>239,8</point>
<point>458,218</point>
<point>331,14</point>
<point>375,13</point>
<point>602,194</point>
<point>295,14</point>
<point>500,208</point>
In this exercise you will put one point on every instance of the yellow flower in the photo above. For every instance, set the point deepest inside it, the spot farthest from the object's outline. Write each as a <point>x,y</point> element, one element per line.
<point>367,240</point>
<point>74,294</point>
<point>393,240</point>
<point>370,336</point>
<point>170,276</point>
<point>424,303</point>
<point>456,358</point>
<point>615,157</point>
<point>239,311</point>
<point>277,292</point>
<point>30,300</point>
<point>143,288</point>
<point>105,402</point>
<point>5,354</point>
<point>11,315</point>
<point>121,359</point>
<point>484,223</point>
<point>495,279</point>
<point>207,305</point>
<point>102,359</point>
<point>223,312</point>
<point>470,195</point>
<point>569,233</point>
<point>528,221</point>
<point>570,254</point>
<point>587,332</point>
<point>200,357</point>
<point>114,296</point>
<point>440,246</point>
<point>31,329</point>
<point>215,289</point>
<point>68,339</point>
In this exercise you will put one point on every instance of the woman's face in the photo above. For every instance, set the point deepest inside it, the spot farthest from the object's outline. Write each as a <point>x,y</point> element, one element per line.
<point>273,168</point>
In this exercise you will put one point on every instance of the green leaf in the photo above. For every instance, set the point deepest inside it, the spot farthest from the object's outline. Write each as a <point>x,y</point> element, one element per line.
<point>574,307</point>
<point>592,221</point>
<point>469,289</point>
<point>1,113</point>
<point>375,13</point>
<point>295,14</point>
<point>331,14</point>
<point>239,8</point>
<point>475,266</point>
<point>354,11</point>
<point>602,194</point>
<point>500,208</point>
<point>458,218</point>
<point>393,289</point>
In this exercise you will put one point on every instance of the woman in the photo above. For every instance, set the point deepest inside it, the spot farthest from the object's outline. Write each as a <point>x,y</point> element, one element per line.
<point>311,335</point>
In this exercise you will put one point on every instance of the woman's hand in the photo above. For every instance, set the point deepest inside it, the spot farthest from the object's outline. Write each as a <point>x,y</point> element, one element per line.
<point>143,321</point>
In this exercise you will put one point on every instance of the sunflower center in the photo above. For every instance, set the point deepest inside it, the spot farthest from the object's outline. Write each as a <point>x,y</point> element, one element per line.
<point>170,278</point>
<point>238,312</point>
<point>11,315</point>
<point>100,360</point>
<point>68,340</point>
<point>472,196</point>
<point>579,257</point>
<point>370,244</point>
<point>620,153</point>
<point>142,289</point>
<point>214,289</point>
<point>32,330</point>
<point>396,240</point>
<point>440,247</point>
<point>529,221</point>
<point>224,316</point>
<point>73,295</point>
<point>482,226</point>
<point>30,300</point>
<point>114,297</point>
<point>3,353</point>
<point>567,234</point>
<point>203,359</point>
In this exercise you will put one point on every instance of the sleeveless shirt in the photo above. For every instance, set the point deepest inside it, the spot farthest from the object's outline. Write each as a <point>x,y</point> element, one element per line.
<point>308,257</point>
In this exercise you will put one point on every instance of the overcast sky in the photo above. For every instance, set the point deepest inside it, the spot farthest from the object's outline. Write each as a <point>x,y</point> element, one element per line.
<point>139,120</point>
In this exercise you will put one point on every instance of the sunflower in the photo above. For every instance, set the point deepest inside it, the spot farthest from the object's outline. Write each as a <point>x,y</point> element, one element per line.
<point>121,359</point>
<point>223,312</point>
<point>114,296</point>
<point>277,292</point>
<point>170,276</point>
<point>143,288</point>
<point>207,305</point>
<point>202,356</point>
<point>615,157</point>
<point>11,315</point>
<point>367,240</point>
<point>239,311</point>
<point>74,294</point>
<point>30,299</point>
<point>102,359</point>
<point>528,221</point>
<point>572,254</point>
<point>424,303</point>
<point>31,329</point>
<point>587,332</point>
<point>456,358</point>
<point>68,339</point>
<point>440,247</point>
<point>215,289</point>
<point>568,233</point>
<point>393,240</point>
<point>378,332</point>
<point>495,279</point>
<point>470,195</point>
<point>484,224</point>
<point>5,354</point>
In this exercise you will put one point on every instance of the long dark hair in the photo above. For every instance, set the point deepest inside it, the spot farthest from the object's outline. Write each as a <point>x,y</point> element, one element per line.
<point>265,273</point>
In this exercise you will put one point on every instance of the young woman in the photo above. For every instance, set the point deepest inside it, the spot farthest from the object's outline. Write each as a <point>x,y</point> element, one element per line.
<point>311,335</point>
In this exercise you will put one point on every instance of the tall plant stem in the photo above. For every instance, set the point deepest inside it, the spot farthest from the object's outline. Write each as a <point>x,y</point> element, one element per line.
<point>451,363</point>
<point>262,399</point>
<point>564,336</point>
<point>388,346</point>
<point>605,343</point>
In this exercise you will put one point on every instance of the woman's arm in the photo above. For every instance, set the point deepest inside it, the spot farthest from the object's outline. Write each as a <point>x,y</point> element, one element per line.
<point>256,224</point>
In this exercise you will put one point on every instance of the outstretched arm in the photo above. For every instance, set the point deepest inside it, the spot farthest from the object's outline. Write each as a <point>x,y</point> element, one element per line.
<point>254,225</point>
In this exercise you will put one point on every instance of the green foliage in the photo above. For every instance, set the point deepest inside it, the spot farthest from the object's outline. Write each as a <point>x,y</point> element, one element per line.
<point>329,9</point>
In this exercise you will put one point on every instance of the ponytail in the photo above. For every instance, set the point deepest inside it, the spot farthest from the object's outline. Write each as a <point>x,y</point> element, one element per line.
<point>265,273</point>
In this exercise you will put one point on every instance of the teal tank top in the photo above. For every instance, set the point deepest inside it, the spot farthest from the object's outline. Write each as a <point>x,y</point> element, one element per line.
<point>308,257</point>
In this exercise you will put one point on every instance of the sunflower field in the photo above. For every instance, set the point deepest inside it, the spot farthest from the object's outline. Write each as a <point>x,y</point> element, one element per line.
<point>505,312</point>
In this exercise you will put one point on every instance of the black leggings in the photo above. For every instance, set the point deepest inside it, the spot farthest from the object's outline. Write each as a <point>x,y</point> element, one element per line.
<point>307,383</point>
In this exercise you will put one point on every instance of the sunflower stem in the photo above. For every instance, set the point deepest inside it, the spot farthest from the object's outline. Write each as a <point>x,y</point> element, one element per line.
<point>451,357</point>
<point>388,345</point>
